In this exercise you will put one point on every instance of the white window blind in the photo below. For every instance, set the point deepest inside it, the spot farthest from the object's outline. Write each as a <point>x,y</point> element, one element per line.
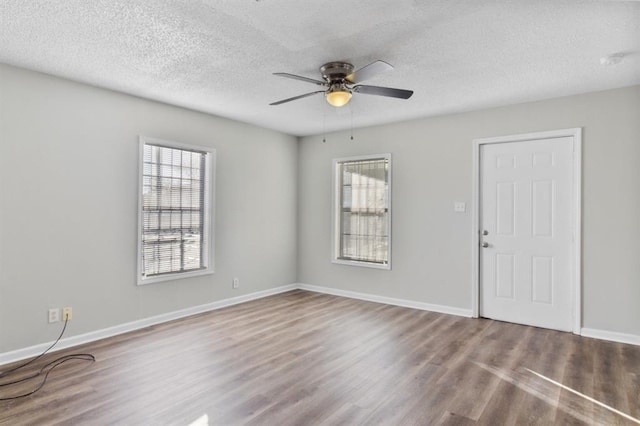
<point>175,210</point>
<point>362,200</point>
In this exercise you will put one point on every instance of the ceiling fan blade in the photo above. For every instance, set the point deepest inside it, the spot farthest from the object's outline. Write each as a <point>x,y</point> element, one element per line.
<point>296,97</point>
<point>301,78</point>
<point>383,91</point>
<point>369,71</point>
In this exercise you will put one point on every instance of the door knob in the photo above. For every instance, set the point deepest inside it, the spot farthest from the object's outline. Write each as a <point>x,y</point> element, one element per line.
<point>485,232</point>
<point>485,244</point>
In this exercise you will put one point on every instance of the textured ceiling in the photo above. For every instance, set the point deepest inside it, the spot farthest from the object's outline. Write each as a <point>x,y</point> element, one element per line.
<point>218,56</point>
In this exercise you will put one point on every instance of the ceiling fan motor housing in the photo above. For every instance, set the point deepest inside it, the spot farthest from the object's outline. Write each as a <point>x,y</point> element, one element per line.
<point>336,71</point>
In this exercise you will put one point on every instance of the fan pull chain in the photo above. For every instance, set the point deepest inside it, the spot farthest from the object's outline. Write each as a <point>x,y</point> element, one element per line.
<point>351,111</point>
<point>324,127</point>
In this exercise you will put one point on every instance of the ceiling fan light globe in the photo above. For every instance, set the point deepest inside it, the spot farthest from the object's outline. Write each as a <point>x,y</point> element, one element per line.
<point>338,98</point>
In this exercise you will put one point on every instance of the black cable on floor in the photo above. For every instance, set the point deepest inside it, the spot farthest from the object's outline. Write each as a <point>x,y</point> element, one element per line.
<point>4,373</point>
<point>44,371</point>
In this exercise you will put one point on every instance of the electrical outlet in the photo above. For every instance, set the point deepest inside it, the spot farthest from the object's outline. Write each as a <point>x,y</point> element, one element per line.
<point>54,315</point>
<point>236,283</point>
<point>67,314</point>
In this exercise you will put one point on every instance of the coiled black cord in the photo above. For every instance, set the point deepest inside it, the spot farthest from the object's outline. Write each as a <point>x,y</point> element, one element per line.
<point>44,371</point>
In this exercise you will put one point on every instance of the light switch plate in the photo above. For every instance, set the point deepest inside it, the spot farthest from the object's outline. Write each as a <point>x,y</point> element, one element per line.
<point>459,206</point>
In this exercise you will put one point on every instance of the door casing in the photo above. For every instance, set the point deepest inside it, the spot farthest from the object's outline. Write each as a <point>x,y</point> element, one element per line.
<point>576,214</point>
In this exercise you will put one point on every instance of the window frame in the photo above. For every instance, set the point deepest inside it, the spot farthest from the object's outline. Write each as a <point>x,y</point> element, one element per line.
<point>209,200</point>
<point>336,215</point>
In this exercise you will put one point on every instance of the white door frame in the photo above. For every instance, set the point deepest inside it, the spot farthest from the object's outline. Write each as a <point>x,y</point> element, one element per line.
<point>576,215</point>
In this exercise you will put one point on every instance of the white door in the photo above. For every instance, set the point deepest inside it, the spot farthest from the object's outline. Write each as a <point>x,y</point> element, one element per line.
<point>526,232</point>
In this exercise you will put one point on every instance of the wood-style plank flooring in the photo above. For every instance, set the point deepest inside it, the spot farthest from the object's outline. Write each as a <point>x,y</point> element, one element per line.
<point>302,358</point>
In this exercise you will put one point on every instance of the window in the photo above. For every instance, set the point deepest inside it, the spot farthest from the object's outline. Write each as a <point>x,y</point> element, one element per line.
<point>175,210</point>
<point>362,211</point>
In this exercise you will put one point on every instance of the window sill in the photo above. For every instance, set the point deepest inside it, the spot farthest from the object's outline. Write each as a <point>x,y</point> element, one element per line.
<point>173,277</point>
<point>362,264</point>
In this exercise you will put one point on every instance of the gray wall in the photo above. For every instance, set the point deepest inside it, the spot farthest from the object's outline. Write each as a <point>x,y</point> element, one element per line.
<point>68,206</point>
<point>432,168</point>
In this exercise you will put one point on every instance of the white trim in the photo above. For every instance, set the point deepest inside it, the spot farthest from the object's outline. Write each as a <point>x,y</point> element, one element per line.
<point>19,354</point>
<point>613,336</point>
<point>363,264</point>
<point>388,300</point>
<point>475,233</point>
<point>576,249</point>
<point>92,336</point>
<point>335,213</point>
<point>210,204</point>
<point>576,270</point>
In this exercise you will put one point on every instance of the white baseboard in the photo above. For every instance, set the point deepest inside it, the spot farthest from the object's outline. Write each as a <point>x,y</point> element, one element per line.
<point>92,336</point>
<point>388,300</point>
<point>614,336</point>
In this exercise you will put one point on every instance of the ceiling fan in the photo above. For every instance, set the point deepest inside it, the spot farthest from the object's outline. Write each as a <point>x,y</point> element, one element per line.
<point>341,81</point>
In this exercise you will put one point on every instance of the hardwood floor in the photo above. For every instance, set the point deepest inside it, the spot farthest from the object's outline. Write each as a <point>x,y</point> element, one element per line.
<point>303,358</point>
